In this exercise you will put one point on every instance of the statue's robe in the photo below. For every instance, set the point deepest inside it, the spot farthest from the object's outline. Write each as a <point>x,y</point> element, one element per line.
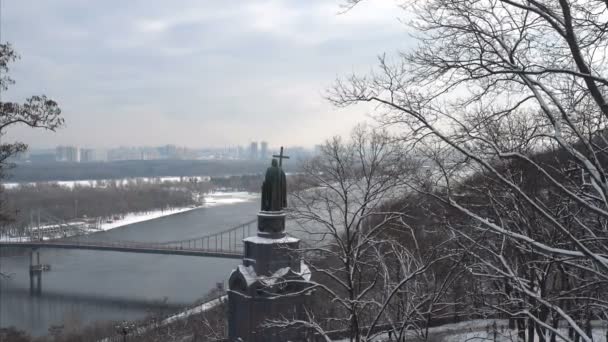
<point>274,190</point>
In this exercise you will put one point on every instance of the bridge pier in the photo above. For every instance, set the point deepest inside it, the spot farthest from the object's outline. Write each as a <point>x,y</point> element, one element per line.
<point>36,273</point>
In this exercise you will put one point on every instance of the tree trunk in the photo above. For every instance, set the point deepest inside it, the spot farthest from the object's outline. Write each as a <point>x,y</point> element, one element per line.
<point>554,325</point>
<point>531,330</point>
<point>588,328</point>
<point>521,329</point>
<point>354,328</point>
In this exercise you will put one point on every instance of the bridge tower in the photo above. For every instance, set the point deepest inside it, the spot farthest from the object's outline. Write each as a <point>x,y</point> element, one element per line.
<point>272,281</point>
<point>35,273</point>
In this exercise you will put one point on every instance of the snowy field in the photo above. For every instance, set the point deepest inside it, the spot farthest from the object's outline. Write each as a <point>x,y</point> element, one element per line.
<point>123,181</point>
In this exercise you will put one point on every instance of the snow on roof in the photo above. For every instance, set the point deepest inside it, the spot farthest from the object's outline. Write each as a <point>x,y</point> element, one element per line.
<point>305,271</point>
<point>250,276</point>
<point>248,273</point>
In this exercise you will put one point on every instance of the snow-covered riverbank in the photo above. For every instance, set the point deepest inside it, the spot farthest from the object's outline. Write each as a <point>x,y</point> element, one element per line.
<point>210,200</point>
<point>94,183</point>
<point>141,217</point>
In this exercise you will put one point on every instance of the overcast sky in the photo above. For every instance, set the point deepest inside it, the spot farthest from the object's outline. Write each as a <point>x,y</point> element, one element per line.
<point>193,72</point>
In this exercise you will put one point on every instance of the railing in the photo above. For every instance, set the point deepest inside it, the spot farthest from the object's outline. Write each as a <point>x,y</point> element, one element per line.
<point>229,239</point>
<point>226,242</point>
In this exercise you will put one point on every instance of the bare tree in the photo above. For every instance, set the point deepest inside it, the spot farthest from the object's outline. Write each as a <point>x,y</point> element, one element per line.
<point>36,112</point>
<point>514,91</point>
<point>347,203</point>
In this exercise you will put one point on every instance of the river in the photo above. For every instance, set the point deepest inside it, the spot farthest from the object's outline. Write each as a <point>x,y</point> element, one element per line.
<point>88,286</point>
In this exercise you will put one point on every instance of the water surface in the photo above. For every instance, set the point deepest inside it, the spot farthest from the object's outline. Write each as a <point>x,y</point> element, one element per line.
<point>87,286</point>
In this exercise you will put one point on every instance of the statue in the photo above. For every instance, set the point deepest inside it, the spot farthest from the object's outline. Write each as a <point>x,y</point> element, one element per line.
<point>274,189</point>
<point>273,281</point>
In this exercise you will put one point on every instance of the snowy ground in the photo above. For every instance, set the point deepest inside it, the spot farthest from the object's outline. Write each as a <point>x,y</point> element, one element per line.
<point>140,217</point>
<point>482,330</point>
<point>470,331</point>
<point>229,197</point>
<point>123,181</point>
<point>196,310</point>
<point>172,319</point>
<point>211,200</point>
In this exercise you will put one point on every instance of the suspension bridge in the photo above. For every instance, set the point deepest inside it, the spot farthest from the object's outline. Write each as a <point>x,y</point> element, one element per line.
<point>224,244</point>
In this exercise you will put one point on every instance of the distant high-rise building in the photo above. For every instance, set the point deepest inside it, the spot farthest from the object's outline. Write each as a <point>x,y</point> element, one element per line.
<point>264,150</point>
<point>168,152</point>
<point>73,154</point>
<point>152,153</point>
<point>240,154</point>
<point>67,154</point>
<point>253,150</point>
<point>149,154</point>
<point>87,155</point>
<point>61,153</point>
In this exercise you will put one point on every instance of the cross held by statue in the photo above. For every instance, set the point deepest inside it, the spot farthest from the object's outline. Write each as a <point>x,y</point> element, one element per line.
<point>281,157</point>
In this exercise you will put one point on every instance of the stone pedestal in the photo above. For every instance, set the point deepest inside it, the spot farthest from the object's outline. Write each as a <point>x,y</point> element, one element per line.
<point>271,224</point>
<point>270,284</point>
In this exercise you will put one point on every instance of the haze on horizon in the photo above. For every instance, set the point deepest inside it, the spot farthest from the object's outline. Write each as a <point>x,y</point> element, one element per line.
<point>193,73</point>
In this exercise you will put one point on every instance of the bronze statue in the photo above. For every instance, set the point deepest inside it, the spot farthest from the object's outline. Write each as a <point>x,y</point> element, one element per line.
<point>274,189</point>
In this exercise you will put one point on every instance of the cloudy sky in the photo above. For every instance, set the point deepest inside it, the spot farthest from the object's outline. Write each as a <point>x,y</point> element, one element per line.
<point>193,72</point>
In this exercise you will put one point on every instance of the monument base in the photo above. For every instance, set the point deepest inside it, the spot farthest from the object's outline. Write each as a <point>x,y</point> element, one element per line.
<point>254,299</point>
<point>272,283</point>
<point>271,224</point>
<point>268,255</point>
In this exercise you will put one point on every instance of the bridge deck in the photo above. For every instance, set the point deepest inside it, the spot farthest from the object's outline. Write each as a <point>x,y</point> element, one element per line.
<point>128,247</point>
<point>223,244</point>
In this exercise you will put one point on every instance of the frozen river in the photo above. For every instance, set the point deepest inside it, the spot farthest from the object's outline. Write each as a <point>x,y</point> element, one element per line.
<point>87,286</point>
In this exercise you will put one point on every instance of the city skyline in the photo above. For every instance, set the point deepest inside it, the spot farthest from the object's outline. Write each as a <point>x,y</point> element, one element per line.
<point>229,145</point>
<point>75,153</point>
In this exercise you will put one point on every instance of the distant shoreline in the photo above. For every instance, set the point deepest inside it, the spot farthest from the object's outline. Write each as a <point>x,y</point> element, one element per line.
<point>100,182</point>
<point>66,171</point>
<point>137,217</point>
<point>211,200</point>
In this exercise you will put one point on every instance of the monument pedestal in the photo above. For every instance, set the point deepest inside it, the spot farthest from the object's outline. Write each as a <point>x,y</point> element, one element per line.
<point>270,284</point>
<point>271,224</point>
